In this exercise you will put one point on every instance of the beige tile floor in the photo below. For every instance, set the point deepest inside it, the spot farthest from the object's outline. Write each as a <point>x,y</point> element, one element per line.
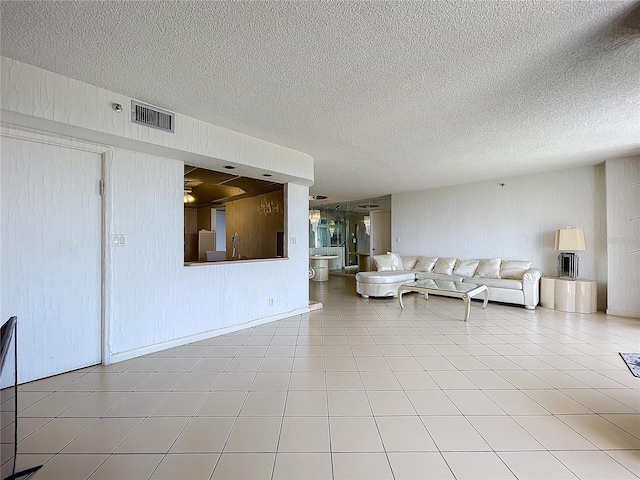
<point>359,389</point>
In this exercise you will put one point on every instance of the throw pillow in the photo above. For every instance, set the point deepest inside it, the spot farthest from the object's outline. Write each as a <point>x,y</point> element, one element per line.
<point>445,266</point>
<point>397,260</point>
<point>384,263</point>
<point>489,268</point>
<point>514,269</point>
<point>466,268</point>
<point>425,264</point>
<point>409,263</point>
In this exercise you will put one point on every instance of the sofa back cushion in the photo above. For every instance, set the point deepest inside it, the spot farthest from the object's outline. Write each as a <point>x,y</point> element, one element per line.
<point>445,266</point>
<point>409,263</point>
<point>488,268</point>
<point>425,264</point>
<point>466,268</point>
<point>383,263</point>
<point>514,269</point>
<point>386,263</point>
<point>397,261</point>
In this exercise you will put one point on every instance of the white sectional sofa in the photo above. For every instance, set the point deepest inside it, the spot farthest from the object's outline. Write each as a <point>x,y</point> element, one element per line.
<point>508,281</point>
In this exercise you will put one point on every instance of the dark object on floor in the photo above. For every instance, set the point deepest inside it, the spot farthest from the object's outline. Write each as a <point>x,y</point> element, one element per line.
<point>6,333</point>
<point>633,362</point>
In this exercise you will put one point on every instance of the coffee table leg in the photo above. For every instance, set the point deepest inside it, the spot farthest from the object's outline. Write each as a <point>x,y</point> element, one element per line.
<point>400,292</point>
<point>467,307</point>
<point>486,298</point>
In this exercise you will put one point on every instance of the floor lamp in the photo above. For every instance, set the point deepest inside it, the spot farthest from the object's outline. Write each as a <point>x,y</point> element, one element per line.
<point>6,332</point>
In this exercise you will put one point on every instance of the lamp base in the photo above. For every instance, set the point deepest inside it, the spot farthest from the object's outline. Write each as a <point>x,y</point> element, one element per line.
<point>568,265</point>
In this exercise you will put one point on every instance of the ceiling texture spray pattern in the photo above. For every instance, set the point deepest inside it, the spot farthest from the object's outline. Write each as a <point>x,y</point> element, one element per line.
<point>386,96</point>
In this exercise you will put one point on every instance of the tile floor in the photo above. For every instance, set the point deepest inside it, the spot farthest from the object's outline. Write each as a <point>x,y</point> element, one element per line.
<point>359,389</point>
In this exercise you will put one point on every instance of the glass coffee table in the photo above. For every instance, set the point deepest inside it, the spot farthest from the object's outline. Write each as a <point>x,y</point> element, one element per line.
<point>446,288</point>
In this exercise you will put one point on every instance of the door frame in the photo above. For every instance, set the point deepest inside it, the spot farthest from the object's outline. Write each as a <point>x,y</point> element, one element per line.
<point>38,136</point>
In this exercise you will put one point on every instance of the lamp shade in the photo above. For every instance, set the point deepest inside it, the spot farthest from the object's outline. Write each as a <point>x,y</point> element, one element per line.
<point>570,239</point>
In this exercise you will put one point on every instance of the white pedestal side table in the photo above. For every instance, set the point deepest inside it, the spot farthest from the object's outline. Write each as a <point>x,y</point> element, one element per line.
<point>320,263</point>
<point>566,295</point>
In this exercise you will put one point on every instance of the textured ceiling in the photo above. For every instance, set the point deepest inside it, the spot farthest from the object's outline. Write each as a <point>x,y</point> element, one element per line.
<point>386,96</point>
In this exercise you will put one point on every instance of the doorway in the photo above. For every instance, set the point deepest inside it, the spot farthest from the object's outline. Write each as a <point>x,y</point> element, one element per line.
<point>51,257</point>
<point>380,232</point>
<point>353,230</point>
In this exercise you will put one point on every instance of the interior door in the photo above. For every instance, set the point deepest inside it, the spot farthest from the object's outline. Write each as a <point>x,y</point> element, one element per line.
<point>380,232</point>
<point>51,250</point>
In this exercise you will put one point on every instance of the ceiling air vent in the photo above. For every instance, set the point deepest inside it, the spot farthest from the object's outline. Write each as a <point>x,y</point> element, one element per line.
<point>152,117</point>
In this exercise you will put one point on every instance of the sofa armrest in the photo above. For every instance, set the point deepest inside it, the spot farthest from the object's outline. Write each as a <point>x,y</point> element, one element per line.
<point>531,287</point>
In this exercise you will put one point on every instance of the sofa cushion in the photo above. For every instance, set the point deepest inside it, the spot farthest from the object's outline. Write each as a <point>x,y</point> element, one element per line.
<point>466,268</point>
<point>444,266</point>
<point>384,263</point>
<point>409,263</point>
<point>385,277</point>
<point>425,264</point>
<point>488,268</point>
<point>495,282</point>
<point>514,269</point>
<point>437,276</point>
<point>397,261</point>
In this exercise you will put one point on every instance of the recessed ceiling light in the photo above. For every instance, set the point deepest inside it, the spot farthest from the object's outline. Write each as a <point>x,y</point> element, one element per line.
<point>267,175</point>
<point>319,197</point>
<point>368,205</point>
<point>229,167</point>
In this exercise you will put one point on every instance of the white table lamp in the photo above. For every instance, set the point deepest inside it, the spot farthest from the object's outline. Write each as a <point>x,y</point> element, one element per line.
<point>568,241</point>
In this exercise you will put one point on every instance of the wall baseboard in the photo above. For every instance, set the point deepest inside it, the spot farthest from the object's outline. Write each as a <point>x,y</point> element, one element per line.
<point>619,313</point>
<point>178,342</point>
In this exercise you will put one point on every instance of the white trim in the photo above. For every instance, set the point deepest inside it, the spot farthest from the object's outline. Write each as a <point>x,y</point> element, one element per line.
<point>620,313</point>
<point>48,138</point>
<point>138,352</point>
<point>107,257</point>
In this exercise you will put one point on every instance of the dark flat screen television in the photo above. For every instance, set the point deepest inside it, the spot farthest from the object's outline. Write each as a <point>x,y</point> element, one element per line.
<point>6,333</point>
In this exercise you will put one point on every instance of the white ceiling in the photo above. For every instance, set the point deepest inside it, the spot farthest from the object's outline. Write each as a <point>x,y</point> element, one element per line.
<point>386,96</point>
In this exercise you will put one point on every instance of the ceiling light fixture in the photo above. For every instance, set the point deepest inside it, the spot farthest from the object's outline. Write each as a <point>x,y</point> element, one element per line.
<point>229,167</point>
<point>187,197</point>
<point>314,218</point>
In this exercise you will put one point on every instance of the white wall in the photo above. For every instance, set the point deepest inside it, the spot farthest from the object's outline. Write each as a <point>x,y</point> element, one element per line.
<point>623,236</point>
<point>514,221</point>
<point>155,298</point>
<point>152,301</point>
